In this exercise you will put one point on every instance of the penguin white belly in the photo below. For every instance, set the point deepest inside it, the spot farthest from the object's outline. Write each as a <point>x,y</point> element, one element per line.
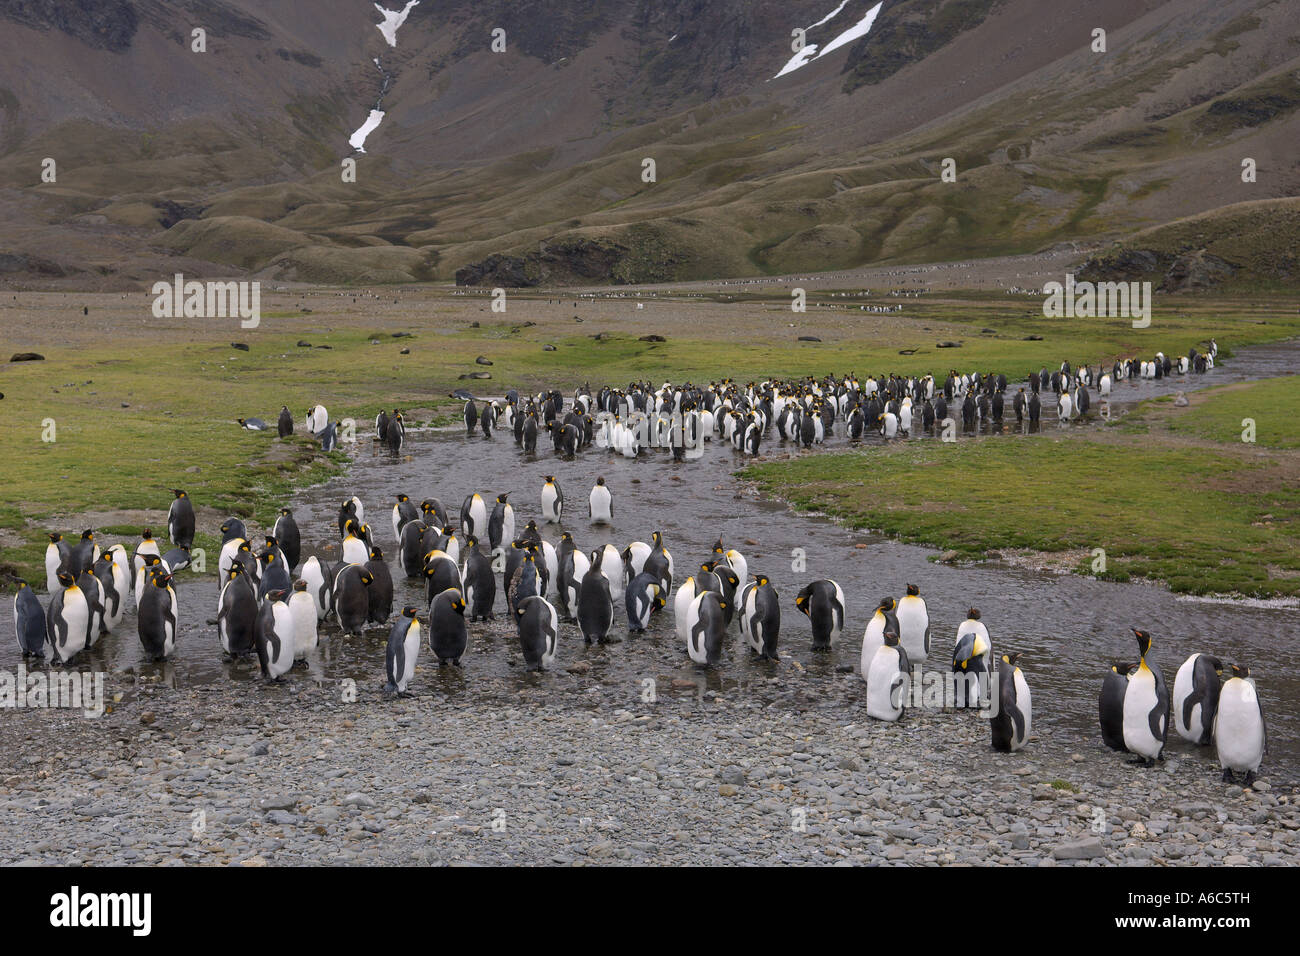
<point>884,685</point>
<point>283,625</point>
<point>52,561</point>
<point>639,552</point>
<point>1183,687</point>
<point>227,558</point>
<point>1025,705</point>
<point>611,565</point>
<point>1239,728</point>
<point>552,636</point>
<point>1139,701</point>
<point>748,614</point>
<point>551,500</point>
<point>738,564</point>
<point>302,608</point>
<point>76,615</point>
<point>314,575</point>
<point>600,505</point>
<point>913,628</point>
<point>169,627</point>
<point>682,606</point>
<point>354,551</point>
<point>410,651</point>
<point>695,640</point>
<point>872,641</point>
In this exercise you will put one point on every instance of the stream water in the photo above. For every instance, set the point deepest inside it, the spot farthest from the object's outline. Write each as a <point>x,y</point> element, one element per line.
<point>1069,628</point>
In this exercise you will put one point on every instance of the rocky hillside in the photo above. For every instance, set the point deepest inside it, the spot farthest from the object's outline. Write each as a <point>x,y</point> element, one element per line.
<point>531,165</point>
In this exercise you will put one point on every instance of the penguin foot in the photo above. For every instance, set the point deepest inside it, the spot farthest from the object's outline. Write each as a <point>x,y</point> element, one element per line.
<point>1250,777</point>
<point>1227,776</point>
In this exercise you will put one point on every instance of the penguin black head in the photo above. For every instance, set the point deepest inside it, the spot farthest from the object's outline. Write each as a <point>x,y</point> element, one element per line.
<point>886,604</point>
<point>408,612</point>
<point>271,542</point>
<point>87,536</point>
<point>600,480</point>
<point>1240,670</point>
<point>55,537</point>
<point>1143,639</point>
<point>178,493</point>
<point>550,479</point>
<point>66,579</point>
<point>566,536</point>
<point>299,585</point>
<point>1122,668</point>
<point>403,498</point>
<point>376,554</point>
<point>973,614</point>
<point>501,499</point>
<point>1012,658</point>
<point>913,590</point>
<point>367,578</point>
<point>471,541</point>
<point>891,639</point>
<point>151,559</point>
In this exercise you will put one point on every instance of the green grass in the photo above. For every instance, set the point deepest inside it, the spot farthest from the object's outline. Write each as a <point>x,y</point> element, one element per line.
<point>1217,414</point>
<point>1203,521</point>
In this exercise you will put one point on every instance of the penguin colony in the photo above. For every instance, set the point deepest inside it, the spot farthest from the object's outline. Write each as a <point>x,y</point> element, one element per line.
<point>272,606</point>
<point>631,420</point>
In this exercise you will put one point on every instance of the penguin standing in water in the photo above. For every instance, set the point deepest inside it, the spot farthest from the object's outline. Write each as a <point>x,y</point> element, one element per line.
<point>600,503</point>
<point>501,526</point>
<point>114,585</point>
<point>404,512</point>
<point>706,626</point>
<point>1014,719</point>
<point>29,621</point>
<point>471,416</point>
<point>57,553</point>
<point>83,556</point>
<point>595,603</point>
<point>411,553</point>
<point>180,520</point>
<point>538,627</point>
<point>480,582</point>
<point>1110,706</point>
<point>887,679</point>
<point>1239,734</point>
<point>552,501</point>
<point>143,551</point>
<point>351,602</point>
<point>237,614</point>
<point>1146,707</point>
<point>67,621</point>
<point>90,586</point>
<point>380,592</point>
<point>822,602</point>
<point>642,597</point>
<point>403,650</point>
<point>275,576</point>
<point>395,433</point>
<point>320,585</point>
<point>284,427</point>
<point>302,608</point>
<point>1196,697</point>
<point>329,437</point>
<point>448,635</point>
<point>156,622</point>
<point>914,625</point>
<point>274,631</point>
<point>473,516</point>
<point>288,536</point>
<point>760,617</point>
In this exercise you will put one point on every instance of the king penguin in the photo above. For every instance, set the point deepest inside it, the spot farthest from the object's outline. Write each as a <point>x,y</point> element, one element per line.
<point>1110,705</point>
<point>760,617</point>
<point>706,626</point>
<point>448,635</point>
<point>552,501</point>
<point>1239,734</point>
<point>887,679</point>
<point>274,633</point>
<point>823,604</point>
<point>1196,697</point>
<point>538,627</point>
<point>67,621</point>
<point>180,520</point>
<point>1011,725</point>
<point>156,621</point>
<point>914,625</point>
<point>595,603</point>
<point>600,503</point>
<point>302,608</point>
<point>29,621</point>
<point>1146,707</point>
<point>237,613</point>
<point>403,650</point>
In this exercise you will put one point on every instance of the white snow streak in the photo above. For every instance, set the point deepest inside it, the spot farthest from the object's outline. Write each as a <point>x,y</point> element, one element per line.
<point>392,20</point>
<point>855,32</point>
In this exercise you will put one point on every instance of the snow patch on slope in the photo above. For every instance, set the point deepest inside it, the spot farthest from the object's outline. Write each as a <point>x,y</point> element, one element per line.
<point>811,51</point>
